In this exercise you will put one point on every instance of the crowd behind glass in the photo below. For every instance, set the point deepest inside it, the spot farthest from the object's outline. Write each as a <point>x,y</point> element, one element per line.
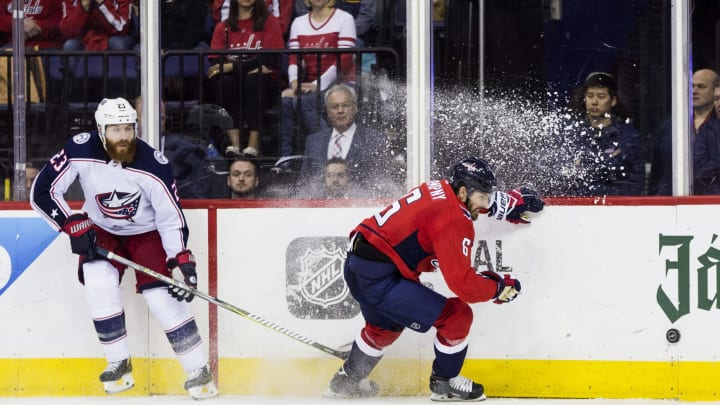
<point>279,124</point>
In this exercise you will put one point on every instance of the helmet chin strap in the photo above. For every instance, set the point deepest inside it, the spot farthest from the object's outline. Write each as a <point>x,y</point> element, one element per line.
<point>101,133</point>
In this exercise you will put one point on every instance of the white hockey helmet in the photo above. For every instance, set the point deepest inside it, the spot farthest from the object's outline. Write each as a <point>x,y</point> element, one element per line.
<point>114,111</point>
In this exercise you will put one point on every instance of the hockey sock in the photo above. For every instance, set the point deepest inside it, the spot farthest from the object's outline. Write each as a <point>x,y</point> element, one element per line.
<point>103,295</point>
<point>179,326</point>
<point>448,359</point>
<point>359,364</point>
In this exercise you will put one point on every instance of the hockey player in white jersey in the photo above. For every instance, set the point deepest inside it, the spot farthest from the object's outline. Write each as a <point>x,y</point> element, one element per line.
<point>131,208</point>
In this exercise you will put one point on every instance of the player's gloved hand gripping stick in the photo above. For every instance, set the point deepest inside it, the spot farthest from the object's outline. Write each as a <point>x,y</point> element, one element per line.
<point>191,290</point>
<point>185,261</point>
<point>507,287</point>
<point>82,235</point>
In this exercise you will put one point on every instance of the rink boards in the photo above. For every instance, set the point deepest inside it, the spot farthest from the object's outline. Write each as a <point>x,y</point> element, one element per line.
<point>602,285</point>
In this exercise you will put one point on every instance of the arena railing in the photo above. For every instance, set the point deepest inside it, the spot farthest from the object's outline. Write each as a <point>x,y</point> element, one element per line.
<point>64,87</point>
<point>185,82</point>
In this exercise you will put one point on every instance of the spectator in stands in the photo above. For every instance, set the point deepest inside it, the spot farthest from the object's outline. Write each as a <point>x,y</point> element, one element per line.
<point>606,146</point>
<point>706,159</point>
<point>323,27</point>
<point>282,9</point>
<point>246,85</point>
<point>703,87</point>
<point>97,25</point>
<point>365,150</point>
<point>706,152</point>
<point>363,11</point>
<point>334,182</point>
<point>41,23</point>
<point>243,179</point>
<point>182,24</point>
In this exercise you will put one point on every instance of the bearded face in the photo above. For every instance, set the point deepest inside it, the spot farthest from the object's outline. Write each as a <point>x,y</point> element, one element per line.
<point>120,142</point>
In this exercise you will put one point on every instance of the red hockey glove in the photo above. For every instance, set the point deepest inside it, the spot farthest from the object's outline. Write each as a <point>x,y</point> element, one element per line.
<point>82,235</point>
<point>511,206</point>
<point>507,287</point>
<point>186,262</point>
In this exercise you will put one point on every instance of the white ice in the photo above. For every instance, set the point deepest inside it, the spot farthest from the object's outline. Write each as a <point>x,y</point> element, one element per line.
<point>306,400</point>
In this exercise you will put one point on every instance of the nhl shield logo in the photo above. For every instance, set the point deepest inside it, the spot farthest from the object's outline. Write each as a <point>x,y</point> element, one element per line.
<point>316,288</point>
<point>322,281</point>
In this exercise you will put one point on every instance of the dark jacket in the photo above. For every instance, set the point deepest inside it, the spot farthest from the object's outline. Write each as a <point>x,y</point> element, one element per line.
<point>607,161</point>
<point>706,159</point>
<point>368,157</point>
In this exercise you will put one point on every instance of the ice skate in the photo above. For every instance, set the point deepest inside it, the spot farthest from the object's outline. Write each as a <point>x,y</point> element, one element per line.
<point>200,384</point>
<point>117,376</point>
<point>455,389</point>
<point>342,386</point>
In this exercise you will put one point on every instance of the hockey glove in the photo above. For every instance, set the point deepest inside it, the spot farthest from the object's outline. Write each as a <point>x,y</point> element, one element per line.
<point>507,287</point>
<point>511,206</point>
<point>528,200</point>
<point>82,235</point>
<point>502,204</point>
<point>186,262</point>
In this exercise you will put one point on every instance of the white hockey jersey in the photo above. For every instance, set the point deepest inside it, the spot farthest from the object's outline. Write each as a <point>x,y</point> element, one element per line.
<point>337,32</point>
<point>122,199</point>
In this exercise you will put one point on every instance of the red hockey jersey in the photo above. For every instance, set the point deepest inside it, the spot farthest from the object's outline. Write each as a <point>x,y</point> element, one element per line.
<point>96,25</point>
<point>45,13</point>
<point>338,31</point>
<point>430,222</point>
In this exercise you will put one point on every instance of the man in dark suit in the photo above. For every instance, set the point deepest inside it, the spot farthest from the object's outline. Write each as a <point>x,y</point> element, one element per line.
<point>365,150</point>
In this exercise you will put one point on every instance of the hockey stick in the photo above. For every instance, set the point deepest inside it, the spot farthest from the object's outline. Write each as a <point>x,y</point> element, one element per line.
<point>207,297</point>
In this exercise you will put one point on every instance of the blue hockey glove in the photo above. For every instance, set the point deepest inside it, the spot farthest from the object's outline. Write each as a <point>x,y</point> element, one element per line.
<point>186,262</point>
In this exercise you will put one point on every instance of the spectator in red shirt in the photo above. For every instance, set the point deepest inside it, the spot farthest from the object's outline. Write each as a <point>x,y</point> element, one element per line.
<point>323,27</point>
<point>41,23</point>
<point>96,25</point>
<point>245,85</point>
<point>363,11</point>
<point>282,9</point>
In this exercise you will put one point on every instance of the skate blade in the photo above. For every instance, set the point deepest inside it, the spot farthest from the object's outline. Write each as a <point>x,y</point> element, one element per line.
<point>332,394</point>
<point>445,398</point>
<point>355,395</point>
<point>368,389</point>
<point>208,390</point>
<point>123,384</point>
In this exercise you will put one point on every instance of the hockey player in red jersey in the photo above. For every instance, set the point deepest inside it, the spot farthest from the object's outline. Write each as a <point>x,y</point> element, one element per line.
<point>430,227</point>
<point>131,208</point>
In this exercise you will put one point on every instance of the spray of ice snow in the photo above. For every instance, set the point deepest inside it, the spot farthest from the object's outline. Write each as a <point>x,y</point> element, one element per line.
<point>528,142</point>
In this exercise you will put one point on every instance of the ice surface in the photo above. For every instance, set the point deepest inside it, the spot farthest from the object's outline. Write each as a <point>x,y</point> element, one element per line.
<point>305,400</point>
